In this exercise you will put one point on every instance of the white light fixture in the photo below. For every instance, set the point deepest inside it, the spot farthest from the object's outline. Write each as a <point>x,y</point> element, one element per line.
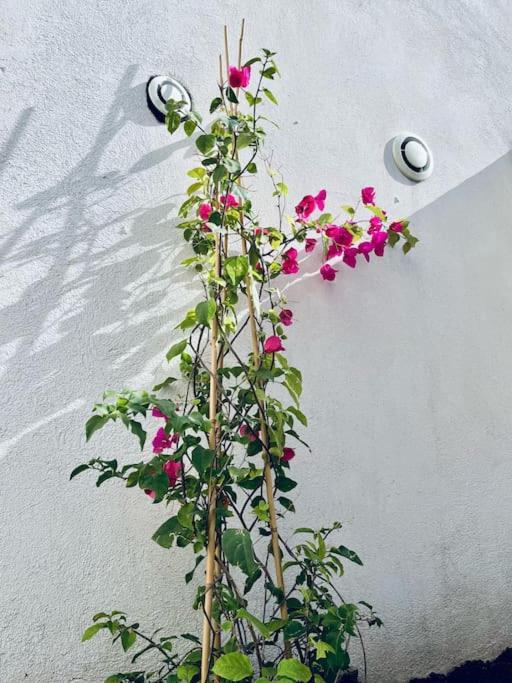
<point>160,89</point>
<point>413,156</point>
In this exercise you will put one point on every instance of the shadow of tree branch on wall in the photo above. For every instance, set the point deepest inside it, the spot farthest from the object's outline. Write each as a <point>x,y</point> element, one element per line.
<point>91,295</point>
<point>113,272</point>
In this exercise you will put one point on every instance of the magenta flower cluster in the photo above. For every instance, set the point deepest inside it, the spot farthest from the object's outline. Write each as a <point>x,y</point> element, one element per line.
<point>341,243</point>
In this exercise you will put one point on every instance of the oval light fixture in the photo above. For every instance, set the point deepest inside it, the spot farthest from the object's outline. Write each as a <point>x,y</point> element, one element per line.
<point>160,89</point>
<point>413,156</point>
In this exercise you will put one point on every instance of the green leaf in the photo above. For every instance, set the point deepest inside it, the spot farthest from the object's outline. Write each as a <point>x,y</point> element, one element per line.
<point>299,415</point>
<point>376,211</point>
<point>349,554</point>
<point>219,173</point>
<point>176,350</point>
<point>322,648</point>
<point>251,100</point>
<point>186,516</point>
<point>188,321</point>
<point>128,638</point>
<point>136,428</point>
<point>270,95</point>
<point>215,104</point>
<point>93,424</point>
<point>393,238</point>
<point>116,678</point>
<point>244,140</point>
<point>165,533</point>
<point>232,165</point>
<point>294,379</point>
<point>205,143</point>
<point>202,458</point>
<point>295,670</point>
<point>284,484</point>
<point>230,94</point>
<point>186,672</point>
<point>77,470</point>
<point>189,127</point>
<point>166,382</point>
<point>237,545</point>
<point>233,666</point>
<point>205,312</point>
<point>236,268</point>
<point>173,120</point>
<point>266,630</point>
<point>92,631</point>
<point>104,477</point>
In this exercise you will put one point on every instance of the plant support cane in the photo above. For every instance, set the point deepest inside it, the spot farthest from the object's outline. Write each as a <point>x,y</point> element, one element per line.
<point>211,549</point>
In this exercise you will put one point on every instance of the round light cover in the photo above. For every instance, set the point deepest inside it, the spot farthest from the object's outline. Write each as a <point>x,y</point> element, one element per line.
<point>413,156</point>
<point>160,89</point>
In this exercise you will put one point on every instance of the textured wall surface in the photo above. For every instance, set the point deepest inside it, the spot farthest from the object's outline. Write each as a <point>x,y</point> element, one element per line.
<point>407,364</point>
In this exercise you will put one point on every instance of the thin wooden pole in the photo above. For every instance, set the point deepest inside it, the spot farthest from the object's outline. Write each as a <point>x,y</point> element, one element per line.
<point>267,471</point>
<point>208,622</point>
<point>226,49</point>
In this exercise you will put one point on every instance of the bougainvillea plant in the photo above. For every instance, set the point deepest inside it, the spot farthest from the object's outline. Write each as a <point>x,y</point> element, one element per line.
<point>223,435</point>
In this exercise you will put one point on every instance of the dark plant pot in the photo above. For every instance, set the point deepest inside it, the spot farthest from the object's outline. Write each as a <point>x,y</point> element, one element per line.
<point>349,676</point>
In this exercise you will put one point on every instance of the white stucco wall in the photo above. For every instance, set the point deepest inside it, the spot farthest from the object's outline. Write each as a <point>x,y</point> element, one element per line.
<point>407,363</point>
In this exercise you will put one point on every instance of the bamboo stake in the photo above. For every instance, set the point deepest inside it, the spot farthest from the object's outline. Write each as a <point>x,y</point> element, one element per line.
<point>208,623</point>
<point>226,50</point>
<point>267,471</point>
<point>218,560</point>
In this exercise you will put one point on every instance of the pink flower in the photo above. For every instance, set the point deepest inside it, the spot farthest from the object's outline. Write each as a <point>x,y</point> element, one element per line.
<point>349,256</point>
<point>320,200</point>
<point>379,242</point>
<point>365,248</point>
<point>251,434</point>
<point>239,78</point>
<point>156,412</point>
<point>375,224</point>
<point>328,272</point>
<point>310,244</point>
<point>150,493</point>
<point>273,344</point>
<point>229,200</point>
<point>368,195</point>
<point>286,317</point>
<point>205,211</point>
<point>261,231</point>
<point>339,235</point>
<point>163,441</point>
<point>290,265</point>
<point>396,226</point>
<point>288,454</point>
<point>333,251</point>
<point>172,468</point>
<point>305,207</point>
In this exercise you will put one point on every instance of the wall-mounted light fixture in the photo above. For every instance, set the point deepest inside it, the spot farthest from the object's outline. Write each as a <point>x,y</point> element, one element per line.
<point>160,89</point>
<point>413,156</point>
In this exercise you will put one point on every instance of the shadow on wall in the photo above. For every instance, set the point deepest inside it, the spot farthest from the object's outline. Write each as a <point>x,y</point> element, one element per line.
<point>76,276</point>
